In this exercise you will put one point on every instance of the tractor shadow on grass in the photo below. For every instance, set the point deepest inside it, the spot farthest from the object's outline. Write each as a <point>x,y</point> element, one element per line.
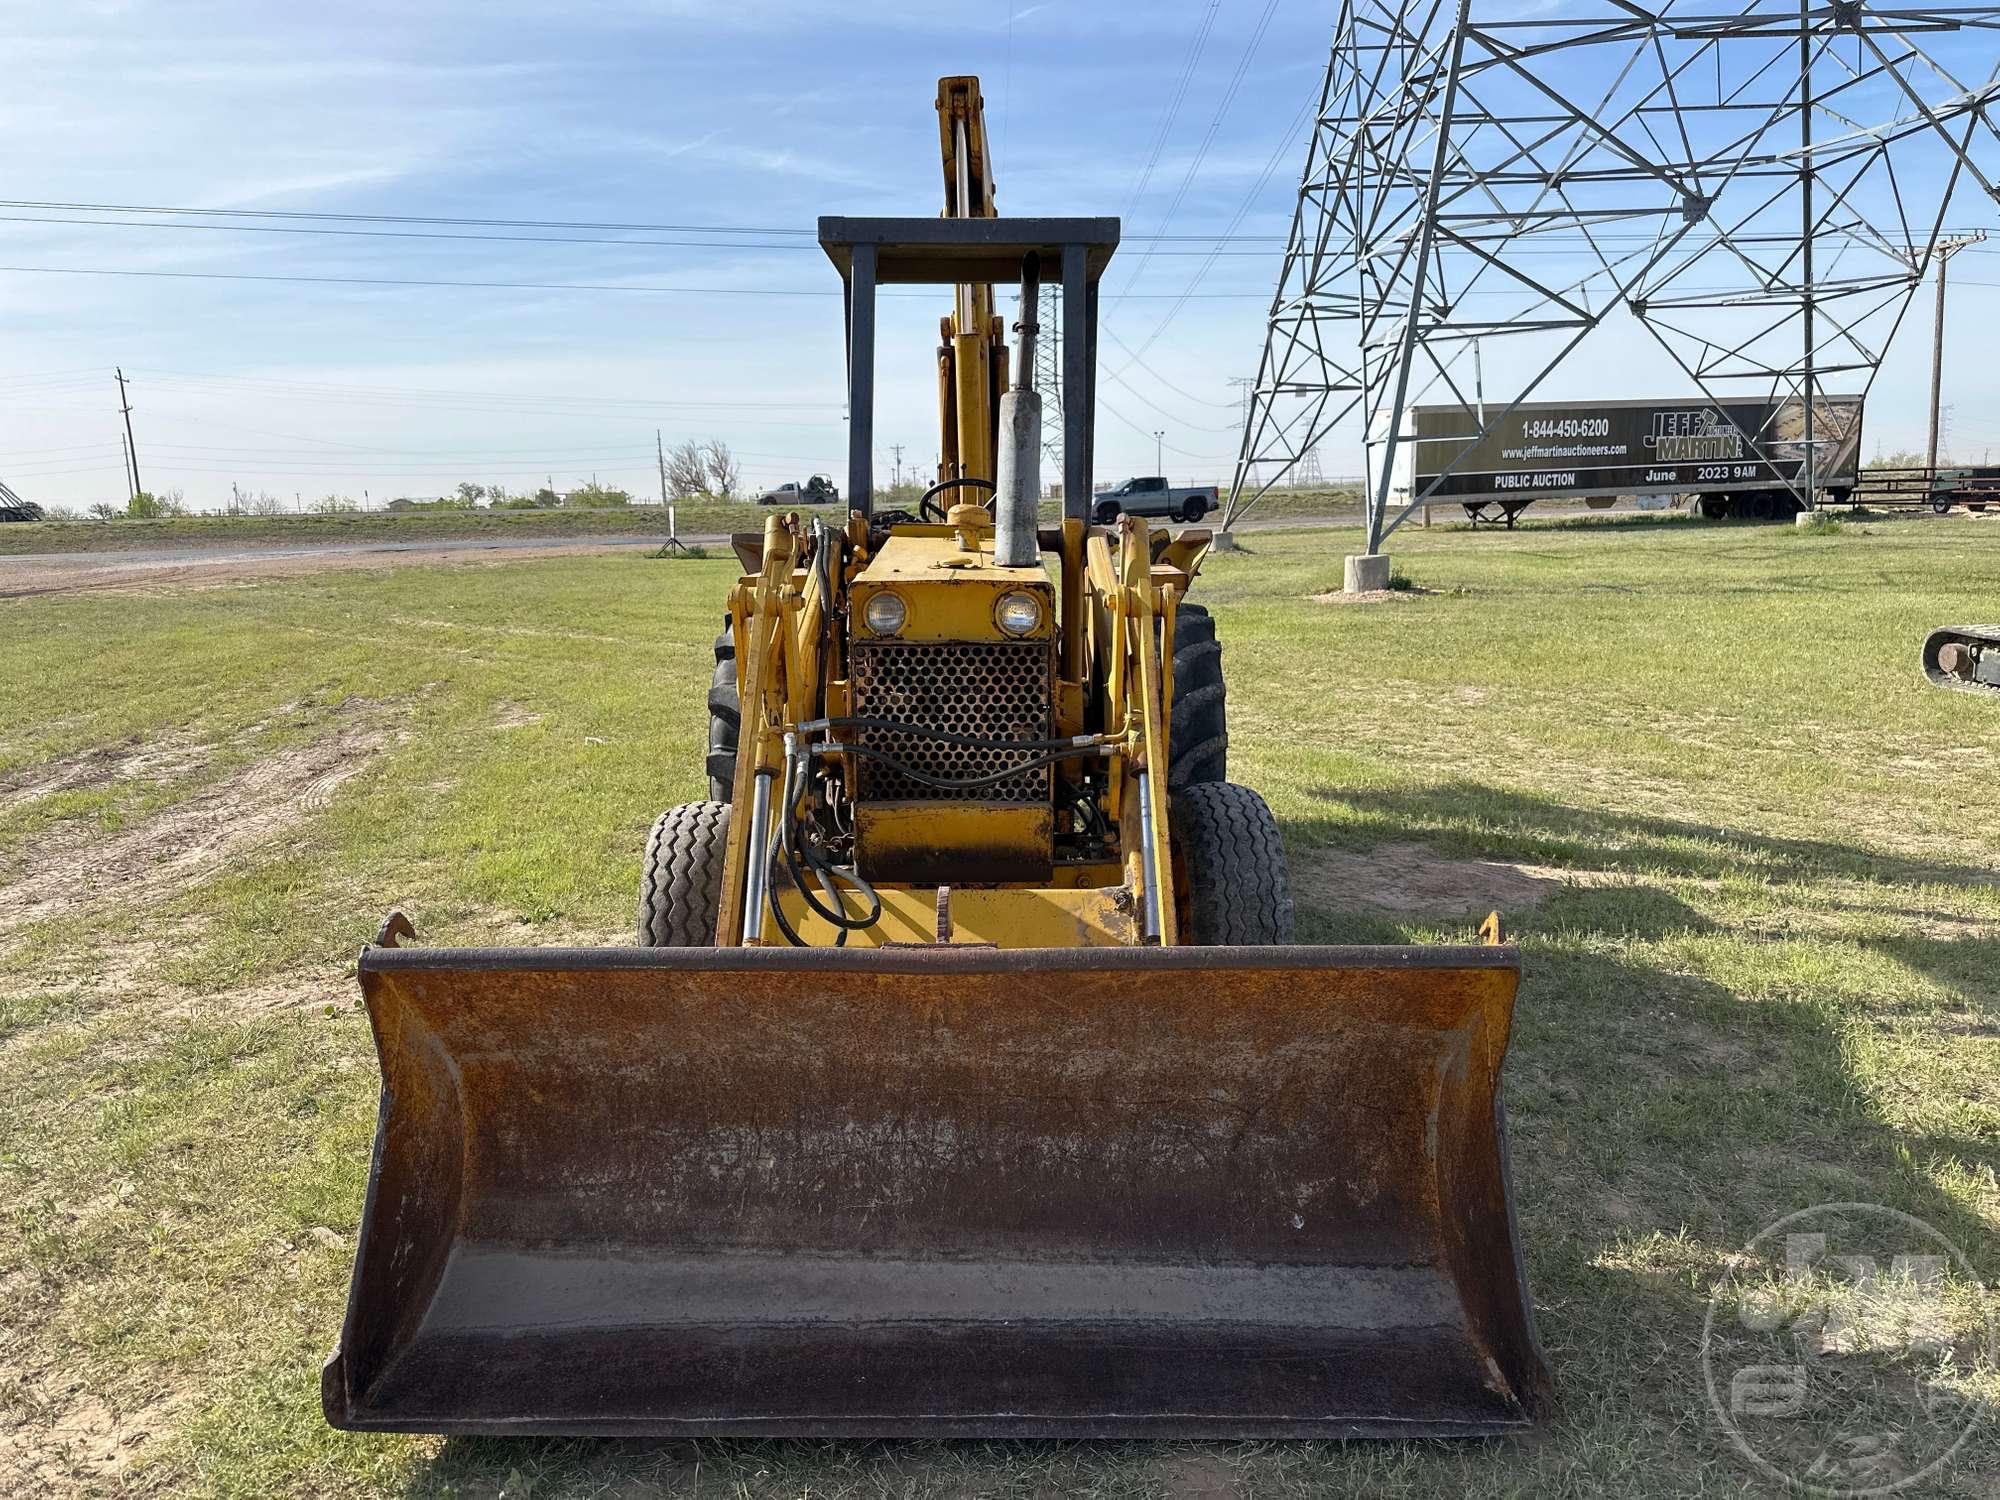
<point>1659,1120</point>
<point>1471,818</point>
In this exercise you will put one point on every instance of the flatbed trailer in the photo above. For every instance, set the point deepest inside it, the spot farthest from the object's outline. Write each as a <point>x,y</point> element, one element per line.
<point>1737,458</point>
<point>1976,487</point>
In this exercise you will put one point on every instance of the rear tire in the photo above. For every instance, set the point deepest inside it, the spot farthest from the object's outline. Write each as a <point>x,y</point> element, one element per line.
<point>680,884</point>
<point>1193,510</point>
<point>1198,736</point>
<point>725,720</point>
<point>1233,884</point>
<point>1105,515</point>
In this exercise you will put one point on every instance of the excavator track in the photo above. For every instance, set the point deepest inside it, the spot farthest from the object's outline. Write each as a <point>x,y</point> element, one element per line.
<point>1964,657</point>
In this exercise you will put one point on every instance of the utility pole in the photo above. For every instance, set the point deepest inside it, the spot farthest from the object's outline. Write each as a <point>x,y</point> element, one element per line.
<point>1944,250</point>
<point>125,452</point>
<point>131,444</point>
<point>897,449</point>
<point>1159,452</point>
<point>660,452</point>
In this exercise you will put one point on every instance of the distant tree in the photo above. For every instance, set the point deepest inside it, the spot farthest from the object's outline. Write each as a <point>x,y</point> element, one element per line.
<point>469,495</point>
<point>172,502</point>
<point>264,503</point>
<point>333,505</point>
<point>1901,459</point>
<point>687,470</point>
<point>546,498</point>
<point>497,496</point>
<point>104,510</point>
<point>902,496</point>
<point>60,513</point>
<point>595,496</point>
<point>724,473</point>
<point>144,507</point>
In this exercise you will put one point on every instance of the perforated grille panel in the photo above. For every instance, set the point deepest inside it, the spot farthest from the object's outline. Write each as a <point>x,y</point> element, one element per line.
<point>996,690</point>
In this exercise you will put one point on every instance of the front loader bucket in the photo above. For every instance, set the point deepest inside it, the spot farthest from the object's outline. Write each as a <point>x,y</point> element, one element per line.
<point>1189,1192</point>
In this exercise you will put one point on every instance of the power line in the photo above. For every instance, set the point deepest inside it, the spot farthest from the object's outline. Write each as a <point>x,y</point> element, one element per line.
<point>599,226</point>
<point>1208,137</point>
<point>1174,106</point>
<point>808,248</point>
<point>524,286</point>
<point>329,389</point>
<point>530,286</point>
<point>409,234</point>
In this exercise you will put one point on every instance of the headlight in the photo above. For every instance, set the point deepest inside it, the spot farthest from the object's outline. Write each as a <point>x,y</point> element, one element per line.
<point>885,614</point>
<point>1018,613</point>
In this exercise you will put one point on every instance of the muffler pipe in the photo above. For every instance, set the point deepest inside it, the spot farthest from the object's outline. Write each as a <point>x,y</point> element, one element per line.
<point>1018,480</point>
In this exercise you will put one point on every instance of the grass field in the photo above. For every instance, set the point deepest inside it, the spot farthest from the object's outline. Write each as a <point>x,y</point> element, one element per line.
<point>1749,857</point>
<point>693,518</point>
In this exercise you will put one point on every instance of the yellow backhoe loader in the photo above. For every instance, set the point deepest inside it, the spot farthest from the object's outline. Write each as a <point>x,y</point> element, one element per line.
<point>966,1080</point>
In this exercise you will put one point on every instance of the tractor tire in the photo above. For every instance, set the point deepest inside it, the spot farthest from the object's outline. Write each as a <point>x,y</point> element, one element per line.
<point>1198,736</point>
<point>1231,862</point>
<point>680,885</point>
<point>725,720</point>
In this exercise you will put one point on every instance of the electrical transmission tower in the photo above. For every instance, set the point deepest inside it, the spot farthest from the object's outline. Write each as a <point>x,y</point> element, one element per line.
<point>1048,374</point>
<point>1752,187</point>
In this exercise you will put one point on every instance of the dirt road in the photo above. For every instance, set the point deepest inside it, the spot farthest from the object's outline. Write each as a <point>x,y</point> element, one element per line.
<point>184,568</point>
<point>199,567</point>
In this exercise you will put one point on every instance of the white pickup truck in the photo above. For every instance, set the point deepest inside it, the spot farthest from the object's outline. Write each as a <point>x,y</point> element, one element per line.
<point>1153,496</point>
<point>817,490</point>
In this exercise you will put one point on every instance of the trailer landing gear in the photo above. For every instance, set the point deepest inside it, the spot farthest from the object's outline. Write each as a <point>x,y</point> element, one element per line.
<point>1494,512</point>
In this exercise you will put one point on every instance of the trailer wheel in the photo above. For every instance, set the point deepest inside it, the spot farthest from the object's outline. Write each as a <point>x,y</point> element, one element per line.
<point>1198,733</point>
<point>1230,865</point>
<point>680,885</point>
<point>725,720</point>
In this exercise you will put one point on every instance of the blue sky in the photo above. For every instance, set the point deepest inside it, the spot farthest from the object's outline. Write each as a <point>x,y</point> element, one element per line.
<point>757,114</point>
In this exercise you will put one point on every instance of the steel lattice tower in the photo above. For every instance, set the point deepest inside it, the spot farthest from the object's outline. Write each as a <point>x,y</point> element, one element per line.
<point>1048,374</point>
<point>1759,186</point>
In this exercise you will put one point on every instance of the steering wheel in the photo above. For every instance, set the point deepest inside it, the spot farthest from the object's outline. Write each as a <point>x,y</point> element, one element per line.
<point>931,510</point>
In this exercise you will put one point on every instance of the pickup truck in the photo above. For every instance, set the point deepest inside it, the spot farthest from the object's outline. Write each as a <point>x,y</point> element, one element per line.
<point>817,490</point>
<point>1153,496</point>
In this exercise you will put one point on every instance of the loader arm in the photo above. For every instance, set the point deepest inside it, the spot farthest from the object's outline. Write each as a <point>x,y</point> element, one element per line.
<point>972,353</point>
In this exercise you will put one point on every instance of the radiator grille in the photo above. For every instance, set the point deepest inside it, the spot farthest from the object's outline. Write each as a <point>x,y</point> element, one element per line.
<point>991,689</point>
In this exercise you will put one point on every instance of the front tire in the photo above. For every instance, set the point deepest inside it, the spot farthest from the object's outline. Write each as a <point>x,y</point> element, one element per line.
<point>1234,888</point>
<point>1198,733</point>
<point>680,884</point>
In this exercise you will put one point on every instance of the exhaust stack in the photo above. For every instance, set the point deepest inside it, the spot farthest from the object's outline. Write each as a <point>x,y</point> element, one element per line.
<point>1018,482</point>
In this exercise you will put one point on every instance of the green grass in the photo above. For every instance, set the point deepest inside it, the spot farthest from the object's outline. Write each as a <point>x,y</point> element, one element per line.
<point>1770,980</point>
<point>695,518</point>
